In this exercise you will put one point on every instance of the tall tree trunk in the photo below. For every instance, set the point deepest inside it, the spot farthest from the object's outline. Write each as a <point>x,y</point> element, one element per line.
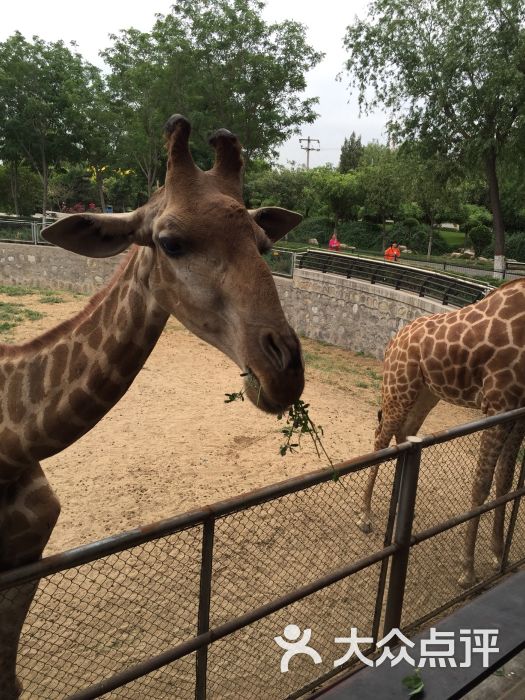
<point>497,216</point>
<point>100,186</point>
<point>45,178</point>
<point>13,176</point>
<point>430,238</point>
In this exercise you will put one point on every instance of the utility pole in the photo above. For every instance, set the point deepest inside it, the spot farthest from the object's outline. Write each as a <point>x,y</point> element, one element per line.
<point>309,148</point>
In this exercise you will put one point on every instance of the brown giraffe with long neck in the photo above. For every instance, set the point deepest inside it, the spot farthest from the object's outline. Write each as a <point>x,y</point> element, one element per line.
<point>472,357</point>
<point>197,256</point>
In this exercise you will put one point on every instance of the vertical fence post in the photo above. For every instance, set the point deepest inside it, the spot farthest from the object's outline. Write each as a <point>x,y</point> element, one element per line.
<point>513,518</point>
<point>203,623</point>
<point>389,529</point>
<point>403,533</point>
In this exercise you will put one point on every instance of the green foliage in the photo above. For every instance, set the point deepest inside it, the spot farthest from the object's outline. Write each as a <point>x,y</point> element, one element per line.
<point>20,189</point>
<point>480,237</point>
<point>450,75</point>
<point>364,235</point>
<point>291,188</point>
<point>416,238</point>
<point>44,88</point>
<point>414,683</point>
<point>475,215</point>
<point>515,247</point>
<point>351,153</point>
<point>320,227</point>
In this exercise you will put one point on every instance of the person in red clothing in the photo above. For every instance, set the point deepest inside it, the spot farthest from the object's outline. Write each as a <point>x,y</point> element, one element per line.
<point>333,243</point>
<point>393,253</point>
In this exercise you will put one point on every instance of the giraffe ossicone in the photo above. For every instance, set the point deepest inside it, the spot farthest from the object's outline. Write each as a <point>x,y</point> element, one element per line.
<point>474,357</point>
<point>196,255</point>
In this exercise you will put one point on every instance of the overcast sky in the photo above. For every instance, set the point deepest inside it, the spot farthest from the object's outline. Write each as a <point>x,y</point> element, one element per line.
<point>89,24</point>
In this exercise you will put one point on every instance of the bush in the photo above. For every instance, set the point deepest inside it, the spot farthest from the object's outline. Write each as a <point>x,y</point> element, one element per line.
<point>480,236</point>
<point>364,235</point>
<point>320,227</point>
<point>476,216</point>
<point>515,246</point>
<point>415,237</point>
<point>361,234</point>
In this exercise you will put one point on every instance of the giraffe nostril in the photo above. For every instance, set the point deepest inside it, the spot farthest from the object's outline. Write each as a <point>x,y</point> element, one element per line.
<point>276,351</point>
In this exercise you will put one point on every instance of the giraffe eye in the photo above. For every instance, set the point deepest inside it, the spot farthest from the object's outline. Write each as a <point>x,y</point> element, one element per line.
<point>172,246</point>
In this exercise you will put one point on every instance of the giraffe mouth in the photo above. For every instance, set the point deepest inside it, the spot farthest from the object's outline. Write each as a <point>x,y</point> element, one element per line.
<point>255,392</point>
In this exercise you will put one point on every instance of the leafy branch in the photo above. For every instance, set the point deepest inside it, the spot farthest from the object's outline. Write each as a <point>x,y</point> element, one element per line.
<point>298,423</point>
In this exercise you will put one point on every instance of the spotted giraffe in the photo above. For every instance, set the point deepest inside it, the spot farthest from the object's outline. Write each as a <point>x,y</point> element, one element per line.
<point>196,256</point>
<point>472,357</point>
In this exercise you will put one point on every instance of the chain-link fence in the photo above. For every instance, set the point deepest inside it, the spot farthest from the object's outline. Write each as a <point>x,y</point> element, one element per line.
<point>189,607</point>
<point>21,231</point>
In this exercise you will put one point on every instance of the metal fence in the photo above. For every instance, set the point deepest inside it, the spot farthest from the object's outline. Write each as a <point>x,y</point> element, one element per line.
<point>457,266</point>
<point>189,607</point>
<point>281,262</point>
<point>21,231</point>
<point>424,283</point>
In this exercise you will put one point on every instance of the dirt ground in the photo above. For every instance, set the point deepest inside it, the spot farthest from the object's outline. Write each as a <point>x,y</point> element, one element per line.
<point>172,444</point>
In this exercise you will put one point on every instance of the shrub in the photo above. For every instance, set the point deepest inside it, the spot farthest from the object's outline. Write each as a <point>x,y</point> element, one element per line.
<point>364,235</point>
<point>320,227</point>
<point>515,246</point>
<point>415,236</point>
<point>480,236</point>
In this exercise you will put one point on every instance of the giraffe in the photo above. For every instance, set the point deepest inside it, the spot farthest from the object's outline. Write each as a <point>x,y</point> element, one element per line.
<point>472,357</point>
<point>195,254</point>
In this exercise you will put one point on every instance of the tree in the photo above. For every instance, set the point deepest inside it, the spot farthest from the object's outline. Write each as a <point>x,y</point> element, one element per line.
<point>41,87</point>
<point>451,74</point>
<point>382,189</point>
<point>431,183</point>
<point>221,64</point>
<point>351,153</point>
<point>340,191</point>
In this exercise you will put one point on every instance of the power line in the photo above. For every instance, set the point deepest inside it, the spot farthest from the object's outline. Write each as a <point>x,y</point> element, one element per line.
<point>309,148</point>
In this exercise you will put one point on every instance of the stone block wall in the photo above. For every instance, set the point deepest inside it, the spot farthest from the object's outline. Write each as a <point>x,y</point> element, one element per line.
<point>53,268</point>
<point>352,314</point>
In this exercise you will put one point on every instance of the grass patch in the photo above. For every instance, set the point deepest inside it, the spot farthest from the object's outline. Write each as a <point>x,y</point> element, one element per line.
<point>51,299</point>
<point>453,238</point>
<point>47,296</point>
<point>16,291</point>
<point>11,315</point>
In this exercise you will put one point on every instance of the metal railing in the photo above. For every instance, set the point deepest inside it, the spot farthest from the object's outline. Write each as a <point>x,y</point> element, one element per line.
<point>425,283</point>
<point>189,607</point>
<point>21,231</point>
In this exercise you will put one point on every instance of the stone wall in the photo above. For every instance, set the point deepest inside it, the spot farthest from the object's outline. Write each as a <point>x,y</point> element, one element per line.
<point>349,313</point>
<point>53,268</point>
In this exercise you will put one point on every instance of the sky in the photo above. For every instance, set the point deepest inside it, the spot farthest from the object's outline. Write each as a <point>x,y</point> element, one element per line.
<point>90,25</point>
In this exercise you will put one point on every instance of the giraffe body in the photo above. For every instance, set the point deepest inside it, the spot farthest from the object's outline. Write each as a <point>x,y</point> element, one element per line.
<point>473,357</point>
<point>195,254</point>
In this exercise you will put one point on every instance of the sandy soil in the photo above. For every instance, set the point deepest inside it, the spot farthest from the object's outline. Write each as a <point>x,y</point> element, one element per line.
<point>172,444</point>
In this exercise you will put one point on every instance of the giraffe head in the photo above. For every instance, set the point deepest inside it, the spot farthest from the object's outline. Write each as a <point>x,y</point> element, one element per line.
<point>203,251</point>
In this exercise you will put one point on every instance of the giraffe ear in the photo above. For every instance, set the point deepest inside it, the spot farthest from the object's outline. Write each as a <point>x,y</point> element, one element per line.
<point>275,222</point>
<point>97,235</point>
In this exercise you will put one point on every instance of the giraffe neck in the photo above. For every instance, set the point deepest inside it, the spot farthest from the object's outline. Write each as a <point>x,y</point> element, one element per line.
<point>56,388</point>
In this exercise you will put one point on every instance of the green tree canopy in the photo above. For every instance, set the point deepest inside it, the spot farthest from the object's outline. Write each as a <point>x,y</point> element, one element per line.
<point>43,86</point>
<point>351,153</point>
<point>219,63</point>
<point>450,73</point>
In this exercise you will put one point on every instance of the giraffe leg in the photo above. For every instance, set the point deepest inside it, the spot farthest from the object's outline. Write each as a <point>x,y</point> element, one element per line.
<point>30,511</point>
<point>492,443</point>
<point>406,423</point>
<point>504,474</point>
